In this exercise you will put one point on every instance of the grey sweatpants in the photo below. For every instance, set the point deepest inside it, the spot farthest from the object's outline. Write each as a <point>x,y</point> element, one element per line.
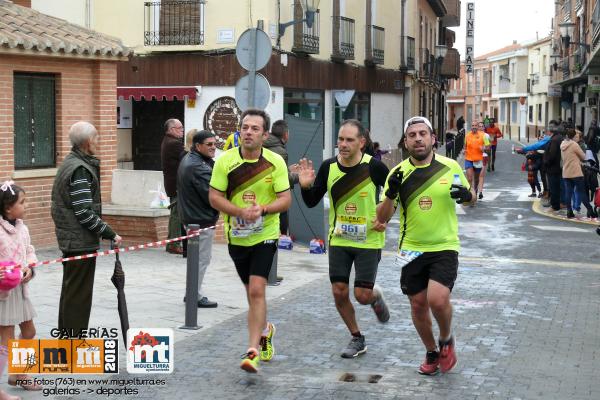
<point>205,252</point>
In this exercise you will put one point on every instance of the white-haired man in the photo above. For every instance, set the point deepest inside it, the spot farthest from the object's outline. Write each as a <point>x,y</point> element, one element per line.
<point>425,186</point>
<point>76,211</point>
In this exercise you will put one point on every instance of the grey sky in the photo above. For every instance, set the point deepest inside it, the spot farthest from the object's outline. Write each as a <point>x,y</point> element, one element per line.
<point>499,22</point>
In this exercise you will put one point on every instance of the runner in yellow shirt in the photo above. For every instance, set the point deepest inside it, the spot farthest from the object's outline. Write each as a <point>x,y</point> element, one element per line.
<point>250,186</point>
<point>425,187</point>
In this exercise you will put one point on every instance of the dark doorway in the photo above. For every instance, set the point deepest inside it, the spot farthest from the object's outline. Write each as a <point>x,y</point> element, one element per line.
<point>148,120</point>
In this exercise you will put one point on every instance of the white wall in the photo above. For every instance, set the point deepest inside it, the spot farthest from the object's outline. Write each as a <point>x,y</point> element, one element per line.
<point>194,117</point>
<point>73,11</point>
<point>328,150</point>
<point>386,119</point>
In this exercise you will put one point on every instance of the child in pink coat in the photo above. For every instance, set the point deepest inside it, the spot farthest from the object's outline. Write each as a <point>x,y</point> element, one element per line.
<point>15,305</point>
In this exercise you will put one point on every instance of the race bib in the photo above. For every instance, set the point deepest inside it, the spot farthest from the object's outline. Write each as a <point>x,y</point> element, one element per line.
<point>351,228</point>
<point>243,228</point>
<point>403,257</point>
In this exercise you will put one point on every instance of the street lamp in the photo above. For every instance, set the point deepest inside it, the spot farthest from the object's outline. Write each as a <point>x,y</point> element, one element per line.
<point>310,7</point>
<point>440,51</point>
<point>566,33</point>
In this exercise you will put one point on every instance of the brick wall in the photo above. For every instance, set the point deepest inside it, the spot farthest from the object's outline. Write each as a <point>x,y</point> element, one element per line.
<point>85,90</point>
<point>138,230</point>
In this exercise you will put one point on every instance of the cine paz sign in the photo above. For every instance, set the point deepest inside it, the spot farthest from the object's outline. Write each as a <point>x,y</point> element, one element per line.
<point>470,39</point>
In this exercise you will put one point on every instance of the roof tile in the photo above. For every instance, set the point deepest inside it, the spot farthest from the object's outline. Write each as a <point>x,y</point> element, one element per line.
<point>22,27</point>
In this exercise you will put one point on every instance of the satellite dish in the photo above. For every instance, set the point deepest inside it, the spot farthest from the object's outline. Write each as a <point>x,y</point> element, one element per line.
<point>262,92</point>
<point>263,49</point>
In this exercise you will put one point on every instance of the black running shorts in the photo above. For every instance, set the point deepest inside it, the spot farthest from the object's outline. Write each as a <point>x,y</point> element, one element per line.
<point>253,260</point>
<point>440,266</point>
<point>365,265</point>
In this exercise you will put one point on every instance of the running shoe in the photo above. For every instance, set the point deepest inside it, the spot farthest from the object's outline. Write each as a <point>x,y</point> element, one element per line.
<point>480,195</point>
<point>355,348</point>
<point>267,350</point>
<point>431,364</point>
<point>379,306</point>
<point>447,355</point>
<point>250,361</point>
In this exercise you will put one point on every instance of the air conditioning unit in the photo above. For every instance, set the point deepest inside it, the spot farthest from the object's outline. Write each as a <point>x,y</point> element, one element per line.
<point>591,101</point>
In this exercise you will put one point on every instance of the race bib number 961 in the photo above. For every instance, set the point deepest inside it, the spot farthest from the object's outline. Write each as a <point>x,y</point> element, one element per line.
<point>351,228</point>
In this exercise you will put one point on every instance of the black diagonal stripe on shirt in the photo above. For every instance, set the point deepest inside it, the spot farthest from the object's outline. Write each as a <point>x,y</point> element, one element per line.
<point>420,179</point>
<point>349,182</point>
<point>245,174</point>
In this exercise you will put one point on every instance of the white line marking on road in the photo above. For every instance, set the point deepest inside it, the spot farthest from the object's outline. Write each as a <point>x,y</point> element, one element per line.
<point>489,196</point>
<point>525,197</point>
<point>560,228</point>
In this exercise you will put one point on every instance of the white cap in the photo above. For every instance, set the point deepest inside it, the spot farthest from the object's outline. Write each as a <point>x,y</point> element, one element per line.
<point>417,120</point>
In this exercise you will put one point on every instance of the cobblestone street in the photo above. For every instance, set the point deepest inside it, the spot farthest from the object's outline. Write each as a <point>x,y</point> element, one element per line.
<point>523,332</point>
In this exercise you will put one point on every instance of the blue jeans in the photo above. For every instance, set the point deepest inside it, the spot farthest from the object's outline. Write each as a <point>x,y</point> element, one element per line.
<point>576,184</point>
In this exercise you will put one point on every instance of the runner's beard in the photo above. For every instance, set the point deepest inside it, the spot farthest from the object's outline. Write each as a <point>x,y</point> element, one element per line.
<point>420,156</point>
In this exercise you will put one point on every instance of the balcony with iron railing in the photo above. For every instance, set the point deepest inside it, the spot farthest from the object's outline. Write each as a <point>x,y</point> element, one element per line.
<point>578,5</point>
<point>306,40</point>
<point>451,65</point>
<point>169,23</point>
<point>452,17</point>
<point>343,38</point>
<point>566,70</point>
<point>504,84</point>
<point>375,45</point>
<point>409,52</point>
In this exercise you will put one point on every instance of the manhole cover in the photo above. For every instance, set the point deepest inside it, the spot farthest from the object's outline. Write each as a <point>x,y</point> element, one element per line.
<point>365,378</point>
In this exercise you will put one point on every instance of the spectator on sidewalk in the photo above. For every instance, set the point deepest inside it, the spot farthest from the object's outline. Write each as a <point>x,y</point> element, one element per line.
<point>552,165</point>
<point>277,143</point>
<point>572,173</point>
<point>592,141</point>
<point>540,147</point>
<point>77,210</point>
<point>378,152</point>
<point>171,150</point>
<point>193,178</point>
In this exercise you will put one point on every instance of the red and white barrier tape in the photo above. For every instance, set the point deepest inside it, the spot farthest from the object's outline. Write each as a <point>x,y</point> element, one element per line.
<point>160,243</point>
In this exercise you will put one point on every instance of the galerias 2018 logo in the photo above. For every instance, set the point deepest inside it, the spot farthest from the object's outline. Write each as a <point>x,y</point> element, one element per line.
<point>150,351</point>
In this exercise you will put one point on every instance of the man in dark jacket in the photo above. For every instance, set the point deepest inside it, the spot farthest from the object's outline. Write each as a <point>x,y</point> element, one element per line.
<point>193,178</point>
<point>276,142</point>
<point>171,151</point>
<point>76,210</point>
<point>552,164</point>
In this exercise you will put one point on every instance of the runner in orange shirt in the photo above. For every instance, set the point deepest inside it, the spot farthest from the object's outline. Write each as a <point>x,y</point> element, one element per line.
<point>494,133</point>
<point>474,146</point>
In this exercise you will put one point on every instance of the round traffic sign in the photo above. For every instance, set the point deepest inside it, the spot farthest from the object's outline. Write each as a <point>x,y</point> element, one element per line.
<point>244,50</point>
<point>262,92</point>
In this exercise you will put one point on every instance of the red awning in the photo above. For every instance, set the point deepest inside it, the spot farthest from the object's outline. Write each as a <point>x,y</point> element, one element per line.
<point>156,92</point>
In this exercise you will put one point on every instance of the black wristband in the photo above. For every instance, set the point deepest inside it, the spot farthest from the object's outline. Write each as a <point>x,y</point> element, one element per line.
<point>264,212</point>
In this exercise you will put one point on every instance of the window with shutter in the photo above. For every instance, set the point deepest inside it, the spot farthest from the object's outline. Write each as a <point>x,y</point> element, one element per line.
<point>34,120</point>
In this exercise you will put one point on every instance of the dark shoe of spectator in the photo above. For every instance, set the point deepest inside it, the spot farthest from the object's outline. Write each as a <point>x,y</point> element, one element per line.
<point>480,195</point>
<point>205,303</point>
<point>174,250</point>
<point>279,278</point>
<point>570,214</point>
<point>540,195</point>
<point>532,195</point>
<point>592,214</point>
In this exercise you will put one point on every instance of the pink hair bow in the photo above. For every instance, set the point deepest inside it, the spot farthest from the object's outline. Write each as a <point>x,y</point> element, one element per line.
<point>7,185</point>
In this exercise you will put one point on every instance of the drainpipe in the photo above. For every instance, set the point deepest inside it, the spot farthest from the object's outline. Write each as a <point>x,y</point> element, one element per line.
<point>403,67</point>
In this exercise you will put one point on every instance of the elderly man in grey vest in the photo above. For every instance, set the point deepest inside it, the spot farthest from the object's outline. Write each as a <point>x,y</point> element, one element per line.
<point>76,211</point>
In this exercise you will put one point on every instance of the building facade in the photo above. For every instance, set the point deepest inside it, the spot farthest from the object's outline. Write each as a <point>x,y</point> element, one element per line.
<point>542,105</point>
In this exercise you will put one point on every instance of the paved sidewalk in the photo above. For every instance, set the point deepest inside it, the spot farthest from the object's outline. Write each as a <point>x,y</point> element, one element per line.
<point>561,215</point>
<point>155,286</point>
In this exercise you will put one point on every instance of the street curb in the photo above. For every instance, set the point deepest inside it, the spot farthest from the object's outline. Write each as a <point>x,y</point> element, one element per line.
<point>538,209</point>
